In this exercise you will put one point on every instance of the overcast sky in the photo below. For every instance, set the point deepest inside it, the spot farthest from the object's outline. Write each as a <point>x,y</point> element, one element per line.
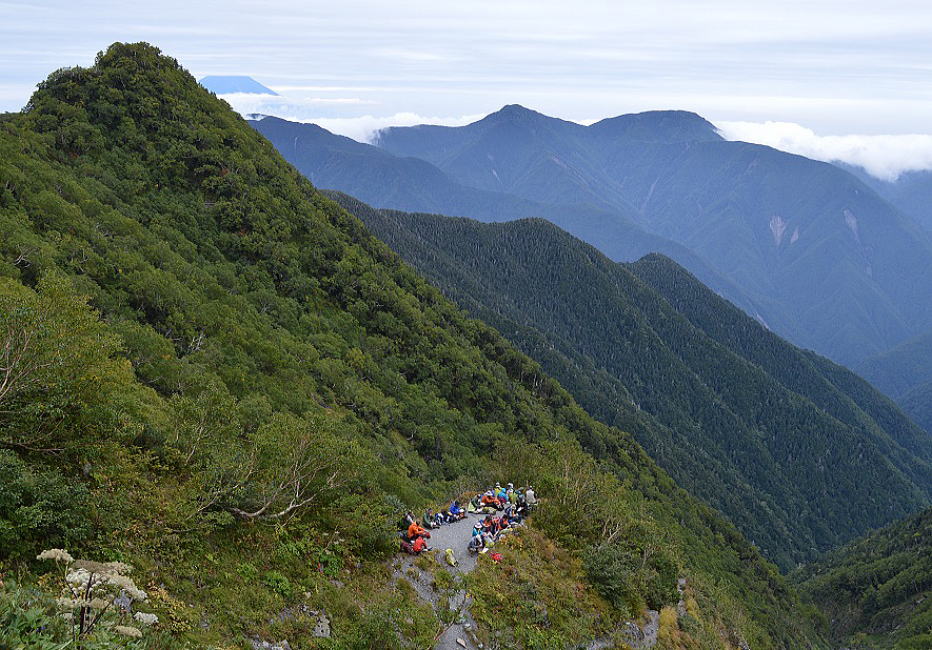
<point>833,67</point>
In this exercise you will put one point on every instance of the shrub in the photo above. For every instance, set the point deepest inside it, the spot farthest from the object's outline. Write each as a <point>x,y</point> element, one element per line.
<point>631,577</point>
<point>38,507</point>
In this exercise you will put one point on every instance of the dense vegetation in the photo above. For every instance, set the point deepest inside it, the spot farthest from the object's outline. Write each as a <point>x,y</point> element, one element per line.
<point>801,454</point>
<point>213,372</point>
<point>877,591</point>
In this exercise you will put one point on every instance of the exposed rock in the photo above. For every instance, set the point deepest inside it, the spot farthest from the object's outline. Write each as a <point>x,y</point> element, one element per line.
<point>259,644</point>
<point>642,636</point>
<point>322,628</point>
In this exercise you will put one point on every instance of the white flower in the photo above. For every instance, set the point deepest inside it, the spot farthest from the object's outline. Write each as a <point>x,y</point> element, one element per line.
<point>78,577</point>
<point>57,554</point>
<point>145,618</point>
<point>126,630</point>
<point>72,603</point>
<point>119,567</point>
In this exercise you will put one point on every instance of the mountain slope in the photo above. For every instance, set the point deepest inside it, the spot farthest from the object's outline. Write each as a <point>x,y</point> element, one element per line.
<point>917,403</point>
<point>806,240</point>
<point>901,369</point>
<point>911,192</point>
<point>800,459</point>
<point>259,388</point>
<point>402,182</point>
<point>905,374</point>
<point>877,591</point>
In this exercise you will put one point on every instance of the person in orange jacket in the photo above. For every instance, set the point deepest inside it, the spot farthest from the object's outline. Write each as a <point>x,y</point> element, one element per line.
<point>415,531</point>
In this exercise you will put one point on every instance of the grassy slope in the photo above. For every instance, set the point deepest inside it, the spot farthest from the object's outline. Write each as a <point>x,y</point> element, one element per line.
<point>259,318</point>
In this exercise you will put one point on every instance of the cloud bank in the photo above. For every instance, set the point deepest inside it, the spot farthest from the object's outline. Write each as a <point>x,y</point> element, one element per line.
<point>883,156</point>
<point>314,110</point>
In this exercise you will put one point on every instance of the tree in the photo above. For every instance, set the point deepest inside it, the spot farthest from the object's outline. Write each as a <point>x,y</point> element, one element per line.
<point>58,370</point>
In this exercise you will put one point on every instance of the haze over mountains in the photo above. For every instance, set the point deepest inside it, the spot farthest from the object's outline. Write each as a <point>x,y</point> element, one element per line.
<point>804,246</point>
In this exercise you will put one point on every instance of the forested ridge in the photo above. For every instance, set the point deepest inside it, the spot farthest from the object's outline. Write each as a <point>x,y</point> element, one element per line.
<point>800,453</point>
<point>877,591</point>
<point>220,377</point>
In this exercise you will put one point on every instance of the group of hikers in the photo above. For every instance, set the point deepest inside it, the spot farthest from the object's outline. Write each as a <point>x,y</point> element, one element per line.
<point>504,508</point>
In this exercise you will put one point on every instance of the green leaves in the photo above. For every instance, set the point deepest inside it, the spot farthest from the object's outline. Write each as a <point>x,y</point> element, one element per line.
<point>59,374</point>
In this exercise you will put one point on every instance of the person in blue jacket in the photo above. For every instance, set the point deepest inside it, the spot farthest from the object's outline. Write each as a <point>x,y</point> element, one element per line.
<point>456,511</point>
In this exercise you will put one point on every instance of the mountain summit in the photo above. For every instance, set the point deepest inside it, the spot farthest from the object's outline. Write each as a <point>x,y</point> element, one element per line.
<point>226,84</point>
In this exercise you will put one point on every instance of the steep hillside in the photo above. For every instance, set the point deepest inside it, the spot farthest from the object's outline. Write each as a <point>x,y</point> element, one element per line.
<point>877,591</point>
<point>258,388</point>
<point>799,453</point>
<point>835,267</point>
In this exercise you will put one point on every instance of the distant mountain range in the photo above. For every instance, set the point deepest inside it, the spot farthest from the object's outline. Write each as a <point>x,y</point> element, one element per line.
<point>805,247</point>
<point>800,453</point>
<point>223,85</point>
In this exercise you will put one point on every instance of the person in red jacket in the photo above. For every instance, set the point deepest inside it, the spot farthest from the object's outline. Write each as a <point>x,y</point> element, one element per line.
<point>419,545</point>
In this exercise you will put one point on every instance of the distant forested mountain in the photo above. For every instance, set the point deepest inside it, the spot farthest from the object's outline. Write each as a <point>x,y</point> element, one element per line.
<point>380,178</point>
<point>905,374</point>
<point>800,453</point>
<point>833,266</point>
<point>877,592</point>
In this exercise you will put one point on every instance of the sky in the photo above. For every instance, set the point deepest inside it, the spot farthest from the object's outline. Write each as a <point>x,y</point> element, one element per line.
<point>825,78</point>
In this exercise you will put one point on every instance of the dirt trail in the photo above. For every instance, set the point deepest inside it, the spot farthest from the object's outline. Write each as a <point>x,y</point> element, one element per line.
<point>454,536</point>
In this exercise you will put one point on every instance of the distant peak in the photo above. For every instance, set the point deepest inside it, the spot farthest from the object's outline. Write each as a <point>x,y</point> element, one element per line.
<point>659,126</point>
<point>514,112</point>
<point>226,84</point>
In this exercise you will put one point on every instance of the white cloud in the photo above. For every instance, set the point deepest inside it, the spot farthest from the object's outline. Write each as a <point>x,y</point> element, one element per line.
<point>308,110</point>
<point>364,128</point>
<point>883,156</point>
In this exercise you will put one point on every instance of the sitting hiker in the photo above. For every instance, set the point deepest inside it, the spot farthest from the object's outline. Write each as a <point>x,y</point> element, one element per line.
<point>429,520</point>
<point>489,499</point>
<point>477,530</point>
<point>456,511</point>
<point>474,504</point>
<point>500,493</point>
<point>415,531</point>
<point>530,498</point>
<point>419,546</point>
<point>406,521</point>
<point>476,544</point>
<point>510,495</point>
<point>407,547</point>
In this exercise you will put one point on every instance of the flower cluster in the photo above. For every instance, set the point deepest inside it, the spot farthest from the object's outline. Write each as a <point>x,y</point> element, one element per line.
<point>99,595</point>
